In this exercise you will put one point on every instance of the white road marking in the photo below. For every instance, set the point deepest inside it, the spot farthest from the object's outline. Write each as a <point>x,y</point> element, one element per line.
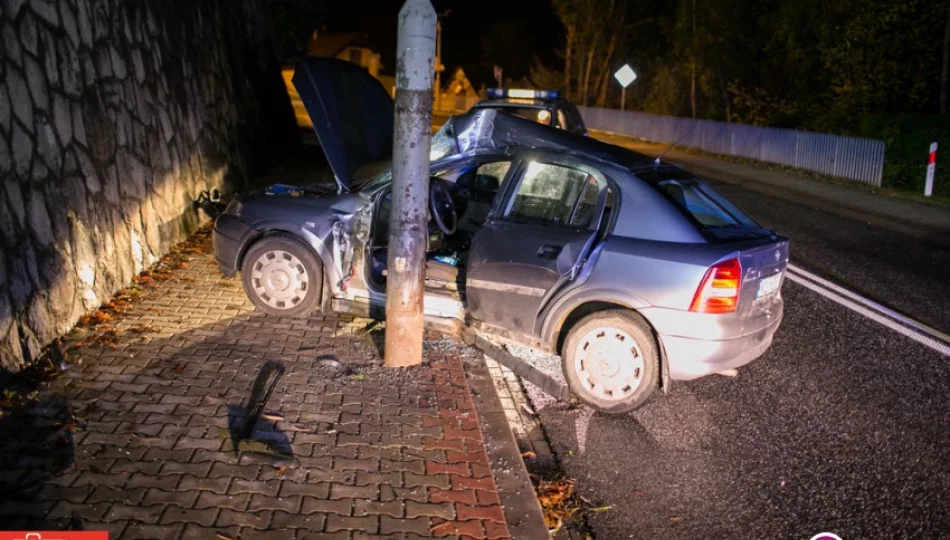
<point>581,427</point>
<point>915,330</point>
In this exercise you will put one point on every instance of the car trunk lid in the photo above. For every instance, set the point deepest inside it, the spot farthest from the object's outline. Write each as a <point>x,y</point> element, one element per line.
<point>763,266</point>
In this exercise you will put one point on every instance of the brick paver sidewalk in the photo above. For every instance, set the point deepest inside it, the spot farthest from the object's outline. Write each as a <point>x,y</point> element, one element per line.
<point>136,439</point>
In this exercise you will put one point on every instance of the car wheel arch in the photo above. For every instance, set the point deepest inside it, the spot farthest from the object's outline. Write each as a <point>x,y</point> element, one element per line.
<point>263,234</point>
<point>574,314</point>
<point>267,233</point>
<point>278,230</point>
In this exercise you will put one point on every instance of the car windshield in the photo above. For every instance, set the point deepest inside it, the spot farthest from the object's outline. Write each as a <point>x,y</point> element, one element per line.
<point>442,146</point>
<point>378,181</point>
<point>535,114</point>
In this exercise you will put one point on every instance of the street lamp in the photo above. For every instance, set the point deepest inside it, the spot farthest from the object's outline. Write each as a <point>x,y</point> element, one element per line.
<point>624,76</point>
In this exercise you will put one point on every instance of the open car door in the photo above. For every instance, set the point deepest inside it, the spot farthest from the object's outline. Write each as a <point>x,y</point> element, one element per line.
<point>536,240</point>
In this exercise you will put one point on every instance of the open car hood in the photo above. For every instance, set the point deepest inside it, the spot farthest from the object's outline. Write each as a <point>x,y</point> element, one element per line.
<point>351,112</point>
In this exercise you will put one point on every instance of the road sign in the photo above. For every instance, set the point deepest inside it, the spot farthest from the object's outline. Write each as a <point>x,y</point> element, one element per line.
<point>625,75</point>
<point>931,166</point>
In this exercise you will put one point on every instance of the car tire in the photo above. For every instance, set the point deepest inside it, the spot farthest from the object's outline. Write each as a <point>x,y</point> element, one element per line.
<point>611,361</point>
<point>282,276</point>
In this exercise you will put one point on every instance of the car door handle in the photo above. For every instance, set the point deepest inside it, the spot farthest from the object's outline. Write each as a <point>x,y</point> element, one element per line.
<point>549,252</point>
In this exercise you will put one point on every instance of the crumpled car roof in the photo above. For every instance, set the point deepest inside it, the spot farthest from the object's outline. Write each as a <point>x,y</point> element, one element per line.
<point>493,128</point>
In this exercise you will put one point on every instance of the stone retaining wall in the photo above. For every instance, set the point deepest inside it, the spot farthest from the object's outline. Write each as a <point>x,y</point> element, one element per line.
<point>114,116</point>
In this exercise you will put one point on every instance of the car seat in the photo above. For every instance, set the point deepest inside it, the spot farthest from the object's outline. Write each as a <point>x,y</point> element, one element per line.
<point>481,190</point>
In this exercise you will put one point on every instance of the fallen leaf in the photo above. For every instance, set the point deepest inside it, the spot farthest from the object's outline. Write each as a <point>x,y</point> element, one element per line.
<point>142,328</point>
<point>602,508</point>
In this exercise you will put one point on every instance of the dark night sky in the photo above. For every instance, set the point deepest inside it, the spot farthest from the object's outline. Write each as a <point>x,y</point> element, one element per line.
<point>475,35</point>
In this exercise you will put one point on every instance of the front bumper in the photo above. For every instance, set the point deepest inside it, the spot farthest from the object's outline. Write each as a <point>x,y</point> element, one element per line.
<point>690,358</point>
<point>229,237</point>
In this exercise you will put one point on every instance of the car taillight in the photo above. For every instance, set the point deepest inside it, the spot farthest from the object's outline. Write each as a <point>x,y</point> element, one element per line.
<point>719,290</point>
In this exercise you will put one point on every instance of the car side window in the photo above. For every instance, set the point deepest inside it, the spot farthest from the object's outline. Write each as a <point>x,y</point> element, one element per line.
<point>587,204</point>
<point>575,119</point>
<point>562,122</point>
<point>554,194</point>
<point>496,170</point>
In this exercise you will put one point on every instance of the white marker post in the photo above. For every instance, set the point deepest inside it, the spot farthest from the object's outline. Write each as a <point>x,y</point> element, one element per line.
<point>931,168</point>
<point>624,76</point>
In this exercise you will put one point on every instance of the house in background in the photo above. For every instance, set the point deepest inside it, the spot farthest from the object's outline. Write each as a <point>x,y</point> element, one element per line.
<point>353,47</point>
<point>458,93</point>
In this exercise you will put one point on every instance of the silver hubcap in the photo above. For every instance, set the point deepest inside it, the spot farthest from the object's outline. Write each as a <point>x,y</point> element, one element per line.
<point>280,279</point>
<point>609,364</point>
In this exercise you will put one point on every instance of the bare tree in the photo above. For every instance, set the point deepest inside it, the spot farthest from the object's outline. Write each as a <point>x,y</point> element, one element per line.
<point>614,30</point>
<point>946,66</point>
<point>568,51</point>
<point>594,32</point>
<point>566,11</point>
<point>692,64</point>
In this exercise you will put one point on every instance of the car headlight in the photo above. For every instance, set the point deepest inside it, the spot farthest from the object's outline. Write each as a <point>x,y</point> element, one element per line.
<point>234,208</point>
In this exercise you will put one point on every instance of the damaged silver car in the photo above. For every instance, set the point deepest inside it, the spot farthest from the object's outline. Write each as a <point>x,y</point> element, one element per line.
<point>635,272</point>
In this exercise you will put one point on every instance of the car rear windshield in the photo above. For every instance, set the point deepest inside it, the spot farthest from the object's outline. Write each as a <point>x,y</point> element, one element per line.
<point>717,216</point>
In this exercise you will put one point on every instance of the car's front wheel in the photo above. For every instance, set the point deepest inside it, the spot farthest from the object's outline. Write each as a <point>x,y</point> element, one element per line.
<point>282,276</point>
<point>610,360</point>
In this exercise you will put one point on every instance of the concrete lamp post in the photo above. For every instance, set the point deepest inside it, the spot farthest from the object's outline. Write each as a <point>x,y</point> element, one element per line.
<point>415,50</point>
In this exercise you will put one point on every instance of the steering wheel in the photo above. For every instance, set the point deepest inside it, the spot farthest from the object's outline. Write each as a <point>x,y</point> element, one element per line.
<point>442,207</point>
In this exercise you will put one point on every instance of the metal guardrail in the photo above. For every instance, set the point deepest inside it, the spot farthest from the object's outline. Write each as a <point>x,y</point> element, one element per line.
<point>853,158</point>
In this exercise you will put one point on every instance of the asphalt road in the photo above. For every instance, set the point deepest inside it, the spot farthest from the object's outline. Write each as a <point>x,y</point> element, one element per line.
<point>842,427</point>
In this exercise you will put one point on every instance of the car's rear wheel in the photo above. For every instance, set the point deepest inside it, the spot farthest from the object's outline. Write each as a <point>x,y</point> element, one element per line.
<point>610,360</point>
<point>282,276</point>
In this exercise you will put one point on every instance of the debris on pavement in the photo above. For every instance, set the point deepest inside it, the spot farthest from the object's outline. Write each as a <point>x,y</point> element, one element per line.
<point>169,406</point>
<point>99,327</point>
<point>276,461</point>
<point>22,388</point>
<point>558,502</point>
